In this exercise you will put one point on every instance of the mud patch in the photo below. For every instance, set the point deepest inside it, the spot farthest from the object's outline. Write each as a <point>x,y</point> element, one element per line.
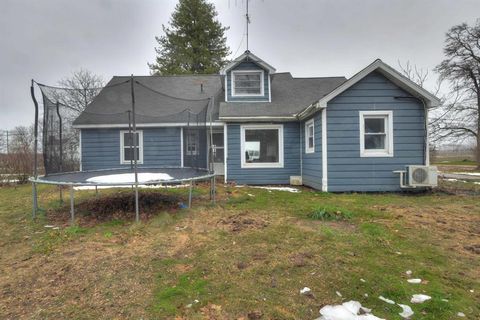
<point>119,206</point>
<point>241,222</point>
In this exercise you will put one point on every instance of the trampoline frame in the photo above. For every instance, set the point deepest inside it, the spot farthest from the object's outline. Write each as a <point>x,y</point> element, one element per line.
<point>191,180</point>
<point>209,174</point>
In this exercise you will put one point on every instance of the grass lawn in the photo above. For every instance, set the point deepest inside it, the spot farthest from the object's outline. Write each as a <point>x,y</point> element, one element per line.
<point>245,258</point>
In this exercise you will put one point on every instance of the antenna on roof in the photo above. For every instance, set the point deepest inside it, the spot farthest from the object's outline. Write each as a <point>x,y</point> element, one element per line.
<point>247,20</point>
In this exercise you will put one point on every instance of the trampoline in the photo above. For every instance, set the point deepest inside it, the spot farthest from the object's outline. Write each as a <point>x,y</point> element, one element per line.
<point>60,141</point>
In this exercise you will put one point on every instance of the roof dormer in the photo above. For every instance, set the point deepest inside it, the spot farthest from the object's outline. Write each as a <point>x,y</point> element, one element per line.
<point>247,79</point>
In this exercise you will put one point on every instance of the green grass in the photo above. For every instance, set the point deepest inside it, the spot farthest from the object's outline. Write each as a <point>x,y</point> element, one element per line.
<point>327,242</point>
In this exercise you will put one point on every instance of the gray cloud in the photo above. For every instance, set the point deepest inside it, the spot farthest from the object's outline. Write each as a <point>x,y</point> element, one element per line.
<point>49,39</point>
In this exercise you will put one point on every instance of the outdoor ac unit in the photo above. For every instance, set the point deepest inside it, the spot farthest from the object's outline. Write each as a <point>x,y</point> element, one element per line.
<point>422,176</point>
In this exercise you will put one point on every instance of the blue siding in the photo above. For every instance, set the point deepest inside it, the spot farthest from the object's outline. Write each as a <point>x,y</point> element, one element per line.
<point>347,171</point>
<point>248,66</point>
<point>259,176</point>
<point>312,162</point>
<point>101,148</point>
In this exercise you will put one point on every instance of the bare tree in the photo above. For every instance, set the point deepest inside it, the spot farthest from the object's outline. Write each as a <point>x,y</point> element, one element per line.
<point>80,89</point>
<point>73,95</point>
<point>462,69</point>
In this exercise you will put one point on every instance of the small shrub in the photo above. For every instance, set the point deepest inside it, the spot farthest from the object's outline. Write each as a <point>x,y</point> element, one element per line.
<point>329,214</point>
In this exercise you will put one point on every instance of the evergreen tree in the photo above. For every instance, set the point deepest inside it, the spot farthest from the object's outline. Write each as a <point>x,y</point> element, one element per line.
<point>193,43</point>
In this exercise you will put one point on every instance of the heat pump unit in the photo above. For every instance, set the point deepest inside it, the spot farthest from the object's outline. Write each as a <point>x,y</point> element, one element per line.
<point>422,176</point>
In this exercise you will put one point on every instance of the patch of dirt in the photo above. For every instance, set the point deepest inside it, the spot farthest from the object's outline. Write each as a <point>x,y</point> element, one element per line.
<point>454,227</point>
<point>119,206</point>
<point>301,259</point>
<point>241,222</point>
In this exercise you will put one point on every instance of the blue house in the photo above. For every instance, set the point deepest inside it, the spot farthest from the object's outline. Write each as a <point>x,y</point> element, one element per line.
<point>328,133</point>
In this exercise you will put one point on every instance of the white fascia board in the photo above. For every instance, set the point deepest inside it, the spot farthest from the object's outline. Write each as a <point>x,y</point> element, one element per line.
<point>141,125</point>
<point>388,72</point>
<point>259,118</point>
<point>252,57</point>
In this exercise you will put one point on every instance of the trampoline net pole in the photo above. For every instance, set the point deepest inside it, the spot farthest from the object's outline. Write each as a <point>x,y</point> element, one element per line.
<point>136,152</point>
<point>35,154</point>
<point>72,206</point>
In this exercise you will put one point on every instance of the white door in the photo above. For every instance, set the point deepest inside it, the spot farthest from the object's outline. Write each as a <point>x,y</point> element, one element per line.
<point>218,152</point>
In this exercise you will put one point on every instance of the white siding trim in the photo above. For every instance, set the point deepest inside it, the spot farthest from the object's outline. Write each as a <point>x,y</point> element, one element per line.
<point>181,147</point>
<point>142,125</point>
<point>324,151</point>
<point>80,149</point>
<point>308,124</point>
<point>269,88</point>
<point>389,131</point>
<point>427,139</point>
<point>262,83</point>
<point>278,164</point>
<point>140,147</point>
<point>225,151</point>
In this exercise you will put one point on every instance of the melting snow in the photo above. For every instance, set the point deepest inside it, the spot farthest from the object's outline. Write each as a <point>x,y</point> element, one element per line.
<point>461,314</point>
<point>420,298</point>
<point>386,300</point>
<point>305,290</point>
<point>338,293</point>
<point>407,312</point>
<point>467,173</point>
<point>143,177</point>
<point>409,272</point>
<point>289,189</point>
<point>363,280</point>
<point>347,311</point>
<point>414,280</point>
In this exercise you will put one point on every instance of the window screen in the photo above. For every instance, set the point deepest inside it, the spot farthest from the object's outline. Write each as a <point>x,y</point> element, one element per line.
<point>247,83</point>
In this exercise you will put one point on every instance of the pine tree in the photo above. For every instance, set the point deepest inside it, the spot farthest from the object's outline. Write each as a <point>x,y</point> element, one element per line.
<point>193,43</point>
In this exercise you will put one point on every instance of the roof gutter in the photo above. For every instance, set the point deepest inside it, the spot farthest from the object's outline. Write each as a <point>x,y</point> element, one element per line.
<point>260,118</point>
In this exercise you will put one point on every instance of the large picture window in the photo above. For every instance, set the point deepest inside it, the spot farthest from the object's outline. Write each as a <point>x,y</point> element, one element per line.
<point>247,83</point>
<point>127,149</point>
<point>262,146</point>
<point>376,133</point>
<point>309,136</point>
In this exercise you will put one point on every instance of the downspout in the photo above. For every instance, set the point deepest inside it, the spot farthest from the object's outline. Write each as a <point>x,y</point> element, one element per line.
<point>301,150</point>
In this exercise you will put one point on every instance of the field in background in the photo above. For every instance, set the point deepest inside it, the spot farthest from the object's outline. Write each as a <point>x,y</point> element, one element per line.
<point>246,258</point>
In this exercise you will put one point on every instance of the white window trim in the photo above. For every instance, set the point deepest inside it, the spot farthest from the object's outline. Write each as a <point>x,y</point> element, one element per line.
<point>388,151</point>
<point>245,164</point>
<point>197,144</point>
<point>262,83</point>
<point>307,125</point>
<point>122,147</point>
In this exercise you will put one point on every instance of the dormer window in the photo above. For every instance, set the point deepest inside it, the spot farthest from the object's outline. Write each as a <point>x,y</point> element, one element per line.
<point>247,83</point>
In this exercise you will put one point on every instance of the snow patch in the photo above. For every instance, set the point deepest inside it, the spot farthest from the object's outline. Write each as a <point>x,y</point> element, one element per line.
<point>288,189</point>
<point>338,294</point>
<point>414,280</point>
<point>468,173</point>
<point>461,314</point>
<point>408,272</point>
<point>420,298</point>
<point>143,177</point>
<point>305,290</point>
<point>386,300</point>
<point>407,312</point>
<point>347,311</point>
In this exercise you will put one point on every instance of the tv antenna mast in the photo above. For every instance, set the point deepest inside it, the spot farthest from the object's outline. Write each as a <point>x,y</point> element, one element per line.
<point>247,20</point>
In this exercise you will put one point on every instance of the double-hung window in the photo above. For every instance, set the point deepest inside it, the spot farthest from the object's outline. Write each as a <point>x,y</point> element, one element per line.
<point>309,136</point>
<point>129,149</point>
<point>376,133</point>
<point>261,146</point>
<point>193,143</point>
<point>247,83</point>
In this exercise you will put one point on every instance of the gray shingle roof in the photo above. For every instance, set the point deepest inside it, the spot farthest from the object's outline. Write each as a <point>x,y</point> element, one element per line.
<point>289,96</point>
<point>113,102</point>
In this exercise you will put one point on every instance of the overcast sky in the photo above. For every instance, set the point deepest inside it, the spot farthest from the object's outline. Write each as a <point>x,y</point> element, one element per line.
<point>47,40</point>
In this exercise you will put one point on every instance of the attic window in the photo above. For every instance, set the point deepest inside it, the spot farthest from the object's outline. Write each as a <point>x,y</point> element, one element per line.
<point>247,83</point>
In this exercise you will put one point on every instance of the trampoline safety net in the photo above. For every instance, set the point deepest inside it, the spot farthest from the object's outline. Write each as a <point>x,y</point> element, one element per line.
<point>130,107</point>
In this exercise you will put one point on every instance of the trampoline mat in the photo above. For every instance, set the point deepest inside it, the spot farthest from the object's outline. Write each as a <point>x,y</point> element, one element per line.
<point>125,176</point>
